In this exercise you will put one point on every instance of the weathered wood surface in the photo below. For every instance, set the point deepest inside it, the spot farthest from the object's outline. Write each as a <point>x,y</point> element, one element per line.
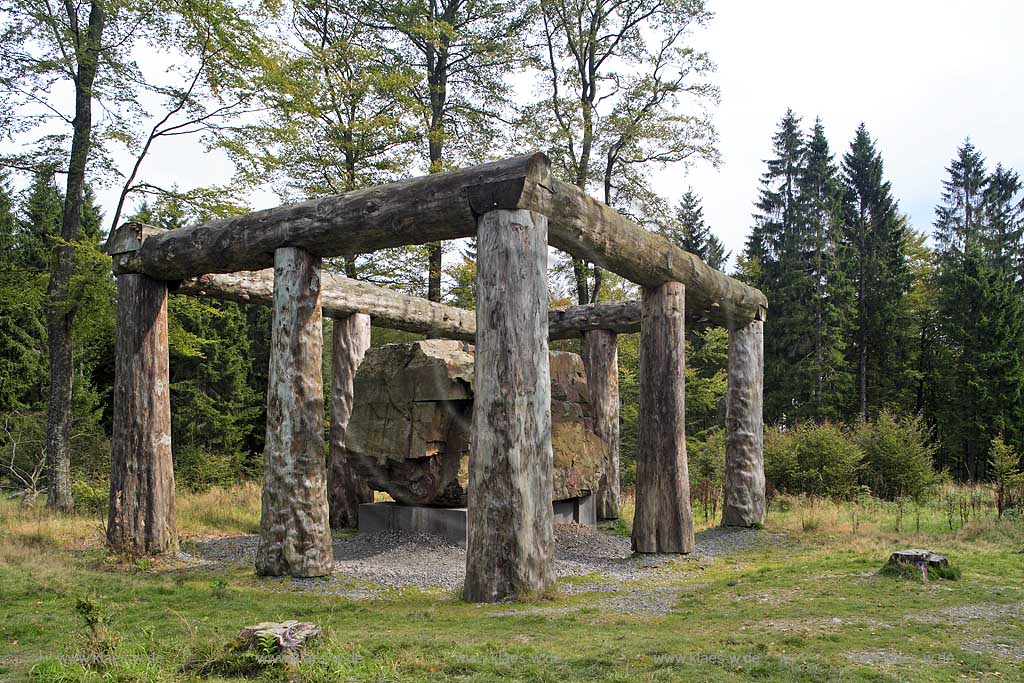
<point>345,489</point>
<point>510,538</point>
<point>601,358</point>
<point>342,296</point>
<point>744,429</point>
<point>663,522</point>
<point>141,518</point>
<point>295,534</point>
<point>425,209</point>
<point>590,229</point>
<point>444,206</point>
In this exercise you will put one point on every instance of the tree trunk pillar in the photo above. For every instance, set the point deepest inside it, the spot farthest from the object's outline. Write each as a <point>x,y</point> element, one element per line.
<point>663,522</point>
<point>601,358</point>
<point>351,339</point>
<point>295,534</point>
<point>510,545</point>
<point>744,429</point>
<point>141,518</point>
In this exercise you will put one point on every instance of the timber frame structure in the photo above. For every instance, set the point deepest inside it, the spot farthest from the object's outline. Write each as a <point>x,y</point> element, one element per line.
<point>515,208</point>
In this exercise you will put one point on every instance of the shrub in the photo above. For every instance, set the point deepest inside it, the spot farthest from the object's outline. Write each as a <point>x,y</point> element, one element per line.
<point>814,459</point>
<point>898,456</point>
<point>91,497</point>
<point>197,469</point>
<point>1007,478</point>
<point>707,470</point>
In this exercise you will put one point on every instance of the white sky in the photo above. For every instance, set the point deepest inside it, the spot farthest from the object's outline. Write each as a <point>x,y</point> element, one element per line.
<point>922,74</point>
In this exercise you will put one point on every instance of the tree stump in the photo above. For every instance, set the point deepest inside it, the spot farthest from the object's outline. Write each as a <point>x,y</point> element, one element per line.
<point>346,490</point>
<point>510,538</point>
<point>295,534</point>
<point>663,522</point>
<point>141,518</point>
<point>744,429</point>
<point>601,359</point>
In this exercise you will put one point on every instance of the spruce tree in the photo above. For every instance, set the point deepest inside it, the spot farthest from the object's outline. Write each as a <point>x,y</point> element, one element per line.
<point>830,301</point>
<point>687,230</point>
<point>981,311</point>
<point>778,252</point>
<point>875,234</point>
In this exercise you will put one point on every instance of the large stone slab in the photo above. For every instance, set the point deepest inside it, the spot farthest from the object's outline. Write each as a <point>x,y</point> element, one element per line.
<point>411,423</point>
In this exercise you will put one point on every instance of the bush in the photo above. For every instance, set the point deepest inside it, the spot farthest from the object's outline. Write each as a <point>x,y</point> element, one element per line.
<point>197,469</point>
<point>898,456</point>
<point>91,497</point>
<point>1007,479</point>
<point>818,460</point>
<point>707,470</point>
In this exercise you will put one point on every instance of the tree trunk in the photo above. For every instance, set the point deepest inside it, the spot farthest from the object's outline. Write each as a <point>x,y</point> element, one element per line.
<point>510,544</point>
<point>744,428</point>
<point>295,534</point>
<point>663,522</point>
<point>601,358</point>
<point>141,518</point>
<point>345,490</point>
<point>60,313</point>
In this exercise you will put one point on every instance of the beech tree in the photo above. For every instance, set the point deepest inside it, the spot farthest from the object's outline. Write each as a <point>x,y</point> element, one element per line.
<point>85,49</point>
<point>616,79</point>
<point>460,51</point>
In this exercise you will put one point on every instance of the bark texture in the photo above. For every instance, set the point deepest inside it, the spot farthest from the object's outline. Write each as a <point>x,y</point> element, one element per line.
<point>663,522</point>
<point>141,519</point>
<point>510,538</point>
<point>601,358</point>
<point>346,490</point>
<point>416,211</point>
<point>592,230</point>
<point>60,312</point>
<point>342,296</point>
<point>295,534</point>
<point>445,206</point>
<point>744,429</point>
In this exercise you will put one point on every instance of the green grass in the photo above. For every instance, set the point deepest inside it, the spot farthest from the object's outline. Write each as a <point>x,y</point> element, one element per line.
<point>801,606</point>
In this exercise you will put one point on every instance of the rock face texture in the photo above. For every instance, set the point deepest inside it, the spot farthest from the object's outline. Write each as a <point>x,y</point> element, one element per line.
<point>411,423</point>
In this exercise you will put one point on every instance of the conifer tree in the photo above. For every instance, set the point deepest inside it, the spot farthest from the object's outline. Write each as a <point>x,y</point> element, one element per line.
<point>830,300</point>
<point>778,245</point>
<point>687,230</point>
<point>981,311</point>
<point>874,233</point>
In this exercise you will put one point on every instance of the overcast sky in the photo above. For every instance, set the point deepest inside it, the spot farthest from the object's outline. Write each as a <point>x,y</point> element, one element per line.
<point>922,74</point>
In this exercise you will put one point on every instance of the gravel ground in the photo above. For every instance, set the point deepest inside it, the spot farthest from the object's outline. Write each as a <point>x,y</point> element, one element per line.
<point>366,563</point>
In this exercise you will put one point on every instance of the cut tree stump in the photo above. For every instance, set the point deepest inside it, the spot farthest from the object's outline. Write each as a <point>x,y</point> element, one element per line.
<point>923,560</point>
<point>295,533</point>
<point>288,636</point>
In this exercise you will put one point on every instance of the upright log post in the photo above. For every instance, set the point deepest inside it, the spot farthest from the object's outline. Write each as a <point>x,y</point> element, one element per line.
<point>141,518</point>
<point>601,358</point>
<point>295,534</point>
<point>351,339</point>
<point>663,522</point>
<point>744,428</point>
<point>510,538</point>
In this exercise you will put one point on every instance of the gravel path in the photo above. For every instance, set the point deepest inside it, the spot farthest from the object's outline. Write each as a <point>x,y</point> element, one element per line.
<point>396,559</point>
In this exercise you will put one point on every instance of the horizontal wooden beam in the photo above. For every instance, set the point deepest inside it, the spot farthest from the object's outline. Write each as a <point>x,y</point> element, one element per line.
<point>592,230</point>
<point>341,296</point>
<point>424,209</point>
<point>438,207</point>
